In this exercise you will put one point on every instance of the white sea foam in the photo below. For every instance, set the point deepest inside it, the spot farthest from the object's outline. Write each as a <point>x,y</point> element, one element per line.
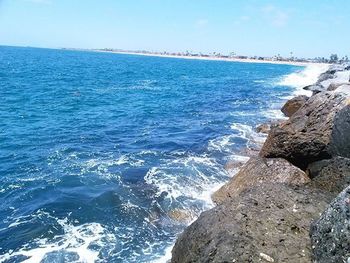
<point>244,131</point>
<point>248,132</point>
<point>305,77</point>
<point>172,179</point>
<point>207,176</point>
<point>84,241</point>
<point>166,257</point>
<point>276,114</point>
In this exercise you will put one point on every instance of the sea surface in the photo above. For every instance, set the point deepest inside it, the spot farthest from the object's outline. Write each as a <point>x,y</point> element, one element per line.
<point>108,157</point>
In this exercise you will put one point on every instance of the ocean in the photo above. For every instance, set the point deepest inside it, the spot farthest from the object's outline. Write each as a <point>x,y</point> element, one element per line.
<point>108,157</point>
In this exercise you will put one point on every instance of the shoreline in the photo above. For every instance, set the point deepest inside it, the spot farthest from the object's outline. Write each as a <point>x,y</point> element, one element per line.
<point>274,176</point>
<point>234,166</point>
<point>248,60</point>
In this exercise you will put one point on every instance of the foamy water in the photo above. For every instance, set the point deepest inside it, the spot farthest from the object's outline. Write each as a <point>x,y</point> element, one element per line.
<point>303,78</point>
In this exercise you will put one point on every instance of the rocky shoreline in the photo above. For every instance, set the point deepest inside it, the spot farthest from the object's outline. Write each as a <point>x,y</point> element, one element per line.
<point>291,202</point>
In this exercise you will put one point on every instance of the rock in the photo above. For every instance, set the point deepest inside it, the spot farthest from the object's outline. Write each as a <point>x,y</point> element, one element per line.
<point>307,136</point>
<point>344,89</point>
<point>250,151</point>
<point>271,219</point>
<point>315,88</point>
<point>292,105</point>
<point>326,76</point>
<point>340,137</point>
<point>334,86</point>
<point>338,67</point>
<point>339,77</point>
<point>233,166</point>
<point>266,257</point>
<point>330,73</point>
<point>330,175</point>
<point>330,235</point>
<point>260,170</point>
<point>180,215</point>
<point>263,128</point>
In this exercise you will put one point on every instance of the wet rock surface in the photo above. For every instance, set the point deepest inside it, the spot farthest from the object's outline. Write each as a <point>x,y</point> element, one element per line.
<point>292,105</point>
<point>263,128</point>
<point>316,88</point>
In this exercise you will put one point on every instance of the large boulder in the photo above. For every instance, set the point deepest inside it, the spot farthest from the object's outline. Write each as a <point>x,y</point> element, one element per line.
<point>292,105</point>
<point>331,72</point>
<point>334,86</point>
<point>339,77</point>
<point>307,136</point>
<point>340,137</point>
<point>331,176</point>
<point>330,234</point>
<point>326,76</point>
<point>268,223</point>
<point>260,170</point>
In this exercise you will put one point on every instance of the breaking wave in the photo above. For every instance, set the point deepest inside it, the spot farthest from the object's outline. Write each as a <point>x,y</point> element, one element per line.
<point>302,78</point>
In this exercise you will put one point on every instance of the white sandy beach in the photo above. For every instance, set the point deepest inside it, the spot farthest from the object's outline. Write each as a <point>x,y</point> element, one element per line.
<point>248,60</point>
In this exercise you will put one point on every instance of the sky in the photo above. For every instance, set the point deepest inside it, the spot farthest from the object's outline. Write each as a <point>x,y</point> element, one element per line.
<point>308,28</point>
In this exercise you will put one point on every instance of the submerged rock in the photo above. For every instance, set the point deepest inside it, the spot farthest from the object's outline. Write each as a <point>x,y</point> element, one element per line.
<point>263,128</point>
<point>292,105</point>
<point>307,136</point>
<point>271,220</point>
<point>180,215</point>
<point>260,170</point>
<point>330,234</point>
<point>266,127</point>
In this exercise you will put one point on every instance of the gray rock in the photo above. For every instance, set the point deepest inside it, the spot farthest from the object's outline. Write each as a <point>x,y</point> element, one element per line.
<point>292,105</point>
<point>340,138</point>
<point>266,127</point>
<point>315,88</point>
<point>339,78</point>
<point>263,128</point>
<point>272,220</point>
<point>334,86</point>
<point>307,136</point>
<point>260,170</point>
<point>330,235</point>
<point>331,176</point>
<point>326,76</point>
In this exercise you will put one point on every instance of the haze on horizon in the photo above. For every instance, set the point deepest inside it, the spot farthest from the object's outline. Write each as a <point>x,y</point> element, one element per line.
<point>248,27</point>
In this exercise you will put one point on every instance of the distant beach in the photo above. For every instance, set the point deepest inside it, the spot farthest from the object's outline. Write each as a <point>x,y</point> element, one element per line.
<point>213,58</point>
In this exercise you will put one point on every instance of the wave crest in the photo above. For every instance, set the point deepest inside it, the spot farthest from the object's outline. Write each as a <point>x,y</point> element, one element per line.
<point>308,76</point>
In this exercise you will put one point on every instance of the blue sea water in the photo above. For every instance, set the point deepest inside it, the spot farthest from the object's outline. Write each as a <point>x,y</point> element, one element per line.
<point>107,157</point>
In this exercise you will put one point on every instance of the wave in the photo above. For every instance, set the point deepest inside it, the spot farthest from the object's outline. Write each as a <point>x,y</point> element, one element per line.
<point>81,243</point>
<point>308,76</point>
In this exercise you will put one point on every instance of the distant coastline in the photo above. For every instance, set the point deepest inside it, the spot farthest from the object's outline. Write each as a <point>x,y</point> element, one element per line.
<point>244,59</point>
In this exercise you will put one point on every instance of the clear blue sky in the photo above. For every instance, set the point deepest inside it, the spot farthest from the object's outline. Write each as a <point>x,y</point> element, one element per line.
<point>253,27</point>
